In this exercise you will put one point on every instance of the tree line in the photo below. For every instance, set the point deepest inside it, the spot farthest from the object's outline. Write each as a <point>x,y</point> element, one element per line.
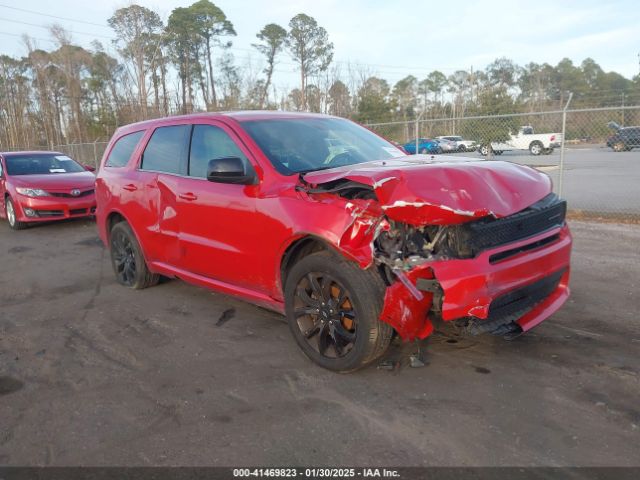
<point>73,94</point>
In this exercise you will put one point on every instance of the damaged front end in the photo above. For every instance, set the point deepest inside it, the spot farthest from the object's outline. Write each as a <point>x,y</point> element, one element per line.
<point>495,260</point>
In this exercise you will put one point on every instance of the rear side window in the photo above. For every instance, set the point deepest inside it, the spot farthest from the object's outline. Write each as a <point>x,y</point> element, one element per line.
<point>209,142</point>
<point>123,149</point>
<point>166,150</point>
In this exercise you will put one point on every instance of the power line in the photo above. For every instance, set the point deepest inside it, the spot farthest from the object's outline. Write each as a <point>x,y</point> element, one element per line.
<point>48,28</point>
<point>53,16</point>
<point>20,35</point>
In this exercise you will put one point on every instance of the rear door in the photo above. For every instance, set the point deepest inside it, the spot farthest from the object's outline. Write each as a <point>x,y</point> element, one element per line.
<point>219,228</point>
<point>162,164</point>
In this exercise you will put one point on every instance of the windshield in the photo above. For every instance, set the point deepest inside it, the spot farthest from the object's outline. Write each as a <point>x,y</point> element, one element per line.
<point>304,145</point>
<point>41,164</point>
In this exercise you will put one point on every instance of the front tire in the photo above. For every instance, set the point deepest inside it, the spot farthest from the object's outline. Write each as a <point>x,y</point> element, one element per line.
<point>12,215</point>
<point>536,148</point>
<point>333,311</point>
<point>462,148</point>
<point>128,263</point>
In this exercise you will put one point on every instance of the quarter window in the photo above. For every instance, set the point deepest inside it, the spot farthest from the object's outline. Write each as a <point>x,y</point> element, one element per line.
<point>123,149</point>
<point>166,149</point>
<point>209,142</point>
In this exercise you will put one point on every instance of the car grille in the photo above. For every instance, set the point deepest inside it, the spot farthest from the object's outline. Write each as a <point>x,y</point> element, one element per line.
<point>512,305</point>
<point>469,239</point>
<point>68,195</point>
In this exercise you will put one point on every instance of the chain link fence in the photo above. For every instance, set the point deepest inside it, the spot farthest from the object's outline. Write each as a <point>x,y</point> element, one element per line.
<point>86,153</point>
<point>592,155</point>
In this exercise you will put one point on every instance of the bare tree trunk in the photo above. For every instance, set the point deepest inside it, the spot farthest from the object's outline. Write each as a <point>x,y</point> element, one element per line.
<point>214,98</point>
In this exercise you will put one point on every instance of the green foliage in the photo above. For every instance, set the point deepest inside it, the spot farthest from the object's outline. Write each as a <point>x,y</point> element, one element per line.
<point>272,37</point>
<point>309,46</point>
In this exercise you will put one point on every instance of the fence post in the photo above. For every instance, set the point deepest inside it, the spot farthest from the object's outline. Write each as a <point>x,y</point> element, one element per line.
<point>95,155</point>
<point>418,130</point>
<point>564,133</point>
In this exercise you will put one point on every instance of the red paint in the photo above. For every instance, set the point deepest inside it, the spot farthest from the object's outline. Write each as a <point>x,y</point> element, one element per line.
<point>232,238</point>
<point>61,183</point>
<point>421,191</point>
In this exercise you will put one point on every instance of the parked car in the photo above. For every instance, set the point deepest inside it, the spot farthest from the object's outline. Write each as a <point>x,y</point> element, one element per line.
<point>350,246</point>
<point>446,146</point>
<point>625,138</point>
<point>425,146</point>
<point>525,139</point>
<point>462,145</point>
<point>44,186</point>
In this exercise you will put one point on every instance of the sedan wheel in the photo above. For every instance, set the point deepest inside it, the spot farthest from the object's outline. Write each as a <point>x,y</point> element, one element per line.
<point>12,217</point>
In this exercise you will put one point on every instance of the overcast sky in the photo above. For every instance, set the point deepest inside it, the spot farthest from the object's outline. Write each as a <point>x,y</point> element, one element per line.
<point>393,37</point>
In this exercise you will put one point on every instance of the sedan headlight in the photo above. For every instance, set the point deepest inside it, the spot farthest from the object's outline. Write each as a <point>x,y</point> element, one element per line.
<point>31,192</point>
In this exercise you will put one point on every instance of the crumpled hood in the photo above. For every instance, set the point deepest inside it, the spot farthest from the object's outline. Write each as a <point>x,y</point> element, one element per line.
<point>428,190</point>
<point>56,181</point>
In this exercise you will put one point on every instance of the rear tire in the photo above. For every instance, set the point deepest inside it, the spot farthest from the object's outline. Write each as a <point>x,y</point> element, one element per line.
<point>462,148</point>
<point>536,148</point>
<point>619,147</point>
<point>333,311</point>
<point>12,215</point>
<point>128,263</point>
<point>485,150</point>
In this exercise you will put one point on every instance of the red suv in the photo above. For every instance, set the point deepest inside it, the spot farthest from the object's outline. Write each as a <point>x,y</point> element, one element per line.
<point>320,219</point>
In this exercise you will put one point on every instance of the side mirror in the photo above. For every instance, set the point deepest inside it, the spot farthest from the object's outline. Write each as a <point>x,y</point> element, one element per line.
<point>230,170</point>
<point>89,168</point>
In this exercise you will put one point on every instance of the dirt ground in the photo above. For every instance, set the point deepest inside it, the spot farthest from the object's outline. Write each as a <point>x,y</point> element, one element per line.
<point>94,374</point>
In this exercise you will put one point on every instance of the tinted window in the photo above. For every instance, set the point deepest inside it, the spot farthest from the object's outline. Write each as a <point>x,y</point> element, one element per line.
<point>306,144</point>
<point>123,149</point>
<point>209,142</point>
<point>41,164</point>
<point>166,149</point>
<point>0,167</point>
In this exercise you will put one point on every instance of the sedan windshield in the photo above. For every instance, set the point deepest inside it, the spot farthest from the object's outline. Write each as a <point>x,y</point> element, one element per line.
<point>41,164</point>
<point>305,145</point>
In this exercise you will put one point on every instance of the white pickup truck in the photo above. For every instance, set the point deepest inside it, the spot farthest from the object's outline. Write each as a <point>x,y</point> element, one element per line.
<point>525,139</point>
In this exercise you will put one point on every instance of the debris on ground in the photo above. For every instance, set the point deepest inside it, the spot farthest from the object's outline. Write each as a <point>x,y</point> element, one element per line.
<point>227,315</point>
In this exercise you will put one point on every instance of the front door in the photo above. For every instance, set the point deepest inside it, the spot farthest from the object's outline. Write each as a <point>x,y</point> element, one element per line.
<point>219,229</point>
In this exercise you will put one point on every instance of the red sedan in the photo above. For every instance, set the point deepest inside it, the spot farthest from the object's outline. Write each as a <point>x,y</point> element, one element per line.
<point>44,186</point>
<point>322,220</point>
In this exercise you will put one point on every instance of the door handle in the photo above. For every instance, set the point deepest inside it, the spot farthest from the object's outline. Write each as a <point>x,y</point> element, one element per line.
<point>130,187</point>
<point>188,196</point>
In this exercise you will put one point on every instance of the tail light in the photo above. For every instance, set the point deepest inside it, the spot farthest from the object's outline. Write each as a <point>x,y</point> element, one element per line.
<point>553,137</point>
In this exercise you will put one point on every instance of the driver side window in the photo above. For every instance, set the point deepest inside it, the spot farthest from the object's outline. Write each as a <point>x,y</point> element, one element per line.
<point>209,142</point>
